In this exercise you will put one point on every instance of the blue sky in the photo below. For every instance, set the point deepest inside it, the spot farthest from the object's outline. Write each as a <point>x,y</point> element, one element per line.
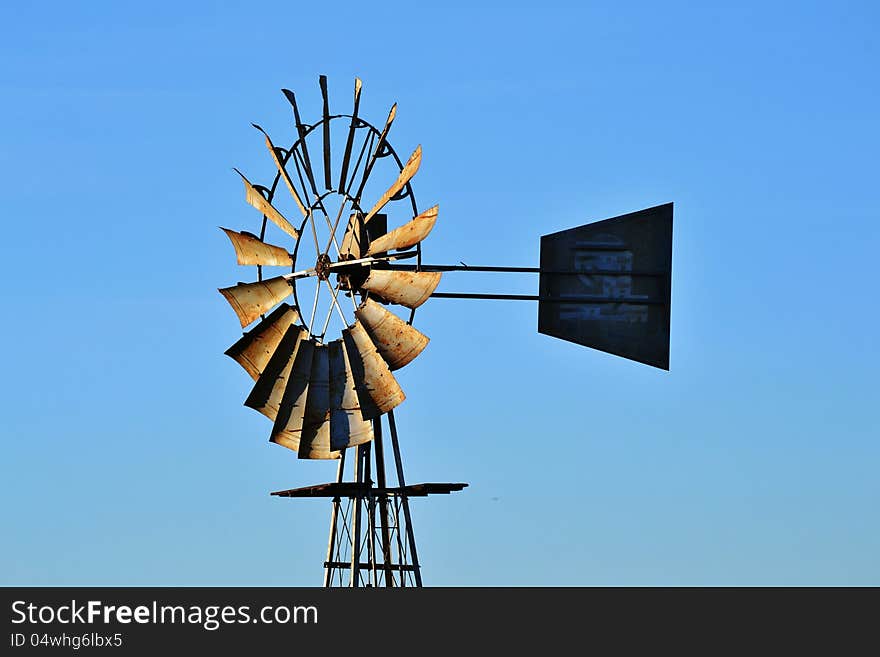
<point>128,458</point>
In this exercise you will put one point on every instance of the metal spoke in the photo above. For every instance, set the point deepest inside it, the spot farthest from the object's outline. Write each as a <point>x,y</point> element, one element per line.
<point>314,230</point>
<point>333,292</point>
<point>314,308</point>
<point>320,204</point>
<point>335,226</point>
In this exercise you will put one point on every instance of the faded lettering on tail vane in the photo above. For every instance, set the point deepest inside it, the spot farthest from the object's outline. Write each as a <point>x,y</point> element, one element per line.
<point>620,304</point>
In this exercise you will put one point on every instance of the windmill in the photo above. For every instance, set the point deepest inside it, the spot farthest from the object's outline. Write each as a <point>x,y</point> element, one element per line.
<point>604,285</point>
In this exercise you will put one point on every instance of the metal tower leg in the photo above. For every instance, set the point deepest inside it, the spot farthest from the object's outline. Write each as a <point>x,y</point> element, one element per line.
<point>417,571</point>
<point>334,517</point>
<point>383,502</point>
<point>355,577</point>
<point>357,541</point>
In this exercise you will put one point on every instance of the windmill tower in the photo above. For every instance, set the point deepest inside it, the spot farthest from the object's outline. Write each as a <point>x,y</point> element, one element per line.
<point>331,395</point>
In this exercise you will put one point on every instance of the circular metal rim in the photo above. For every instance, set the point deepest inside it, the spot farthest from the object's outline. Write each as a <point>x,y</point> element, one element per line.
<point>316,203</point>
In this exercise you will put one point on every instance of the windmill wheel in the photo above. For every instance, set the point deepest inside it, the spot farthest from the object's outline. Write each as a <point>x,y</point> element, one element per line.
<point>322,387</point>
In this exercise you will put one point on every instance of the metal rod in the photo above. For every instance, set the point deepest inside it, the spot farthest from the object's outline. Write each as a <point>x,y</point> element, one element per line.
<point>334,291</point>
<point>333,228</point>
<point>535,297</point>
<point>401,554</point>
<point>371,518</point>
<point>314,307</point>
<point>400,481</point>
<point>331,543</point>
<point>344,264</point>
<point>393,566</point>
<point>383,499</point>
<point>529,270</point>
<point>356,523</point>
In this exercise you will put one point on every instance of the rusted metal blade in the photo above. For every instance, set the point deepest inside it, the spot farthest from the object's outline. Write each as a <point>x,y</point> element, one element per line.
<point>377,390</point>
<point>396,341</point>
<point>256,347</point>
<point>250,300</point>
<point>314,442</point>
<point>251,250</point>
<point>406,174</point>
<point>257,200</point>
<point>266,394</point>
<point>323,82</point>
<point>347,424</point>
<point>291,409</point>
<point>380,144</point>
<point>407,288</point>
<point>343,175</point>
<point>284,175</point>
<point>302,131</point>
<point>410,234</point>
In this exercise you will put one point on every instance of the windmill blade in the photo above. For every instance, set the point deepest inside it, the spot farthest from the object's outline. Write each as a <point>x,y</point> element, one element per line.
<point>347,424</point>
<point>314,442</point>
<point>250,300</point>
<point>323,83</point>
<point>406,174</point>
<point>257,200</point>
<point>410,234</point>
<point>377,390</point>
<point>289,419</point>
<point>396,341</point>
<point>353,238</point>
<point>407,288</point>
<point>284,175</point>
<point>343,175</point>
<point>375,154</point>
<point>268,391</point>
<point>251,250</point>
<point>256,347</point>
<point>302,130</point>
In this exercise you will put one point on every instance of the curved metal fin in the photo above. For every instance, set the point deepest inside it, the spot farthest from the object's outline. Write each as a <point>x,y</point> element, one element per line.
<point>288,421</point>
<point>257,200</point>
<point>250,300</point>
<point>256,347</point>
<point>347,424</point>
<point>280,166</point>
<point>406,174</point>
<point>411,233</point>
<point>251,250</point>
<point>377,390</point>
<point>266,394</point>
<point>314,441</point>
<point>407,288</point>
<point>397,342</point>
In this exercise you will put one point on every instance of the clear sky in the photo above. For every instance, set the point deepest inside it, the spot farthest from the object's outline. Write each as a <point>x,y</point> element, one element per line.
<point>127,455</point>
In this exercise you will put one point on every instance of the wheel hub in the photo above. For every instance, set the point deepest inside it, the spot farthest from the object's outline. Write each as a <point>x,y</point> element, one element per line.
<point>322,267</point>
